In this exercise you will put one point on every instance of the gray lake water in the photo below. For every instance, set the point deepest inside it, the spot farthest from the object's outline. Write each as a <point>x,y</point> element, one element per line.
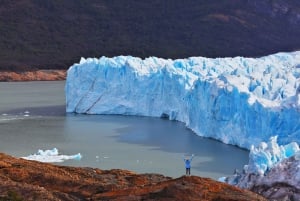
<point>32,117</point>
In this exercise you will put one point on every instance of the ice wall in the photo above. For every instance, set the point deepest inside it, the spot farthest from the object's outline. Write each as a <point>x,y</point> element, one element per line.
<point>240,101</point>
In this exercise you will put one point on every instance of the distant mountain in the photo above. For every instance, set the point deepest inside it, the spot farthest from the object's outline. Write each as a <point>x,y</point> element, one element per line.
<point>54,34</point>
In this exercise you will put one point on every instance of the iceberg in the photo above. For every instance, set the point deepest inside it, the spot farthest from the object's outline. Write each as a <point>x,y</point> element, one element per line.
<point>51,156</point>
<point>239,101</point>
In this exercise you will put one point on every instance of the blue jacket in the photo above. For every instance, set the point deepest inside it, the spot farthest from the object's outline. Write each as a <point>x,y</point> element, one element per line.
<point>188,162</point>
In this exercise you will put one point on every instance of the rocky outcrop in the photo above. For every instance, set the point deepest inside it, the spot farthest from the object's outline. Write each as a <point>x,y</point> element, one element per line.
<point>29,180</point>
<point>38,75</point>
<point>273,171</point>
<point>282,182</point>
<point>280,9</point>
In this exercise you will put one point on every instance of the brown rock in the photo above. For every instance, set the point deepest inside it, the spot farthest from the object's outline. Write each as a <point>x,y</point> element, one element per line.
<point>38,75</point>
<point>31,180</point>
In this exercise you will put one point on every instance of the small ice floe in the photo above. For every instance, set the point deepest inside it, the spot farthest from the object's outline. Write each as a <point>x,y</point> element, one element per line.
<point>10,118</point>
<point>4,114</point>
<point>97,159</point>
<point>51,156</point>
<point>26,113</point>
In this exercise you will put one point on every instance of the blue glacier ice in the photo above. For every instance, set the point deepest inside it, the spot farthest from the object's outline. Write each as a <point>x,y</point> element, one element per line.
<point>240,101</point>
<point>265,156</point>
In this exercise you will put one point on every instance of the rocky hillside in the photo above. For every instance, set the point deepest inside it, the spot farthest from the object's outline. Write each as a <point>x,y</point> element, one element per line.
<point>32,75</point>
<point>54,34</point>
<point>29,180</point>
<point>282,182</point>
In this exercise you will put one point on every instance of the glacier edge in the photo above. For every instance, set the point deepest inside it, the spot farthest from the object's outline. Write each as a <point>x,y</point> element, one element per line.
<point>240,101</point>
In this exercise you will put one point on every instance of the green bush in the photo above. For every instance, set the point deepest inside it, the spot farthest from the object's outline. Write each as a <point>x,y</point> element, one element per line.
<point>11,196</point>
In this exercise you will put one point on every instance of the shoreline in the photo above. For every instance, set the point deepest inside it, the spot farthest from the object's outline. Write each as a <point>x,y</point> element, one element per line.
<point>35,75</point>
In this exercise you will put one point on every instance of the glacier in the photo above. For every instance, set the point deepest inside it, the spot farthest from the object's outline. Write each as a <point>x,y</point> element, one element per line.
<point>239,101</point>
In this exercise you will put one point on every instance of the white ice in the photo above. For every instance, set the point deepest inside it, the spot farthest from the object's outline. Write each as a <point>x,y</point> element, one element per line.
<point>240,101</point>
<point>51,156</point>
<point>267,155</point>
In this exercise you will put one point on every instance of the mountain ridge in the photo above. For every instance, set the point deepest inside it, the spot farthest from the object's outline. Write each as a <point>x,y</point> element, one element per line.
<point>54,34</point>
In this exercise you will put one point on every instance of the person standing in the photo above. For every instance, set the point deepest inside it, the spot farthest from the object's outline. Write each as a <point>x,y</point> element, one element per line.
<point>187,160</point>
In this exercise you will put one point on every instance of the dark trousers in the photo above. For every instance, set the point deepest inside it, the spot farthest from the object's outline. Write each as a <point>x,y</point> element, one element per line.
<point>187,171</point>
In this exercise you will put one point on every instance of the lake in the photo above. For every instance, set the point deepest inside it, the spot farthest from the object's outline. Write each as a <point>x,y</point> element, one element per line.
<point>32,117</point>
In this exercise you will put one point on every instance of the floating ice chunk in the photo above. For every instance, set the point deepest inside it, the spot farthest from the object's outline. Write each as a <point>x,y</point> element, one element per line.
<point>51,156</point>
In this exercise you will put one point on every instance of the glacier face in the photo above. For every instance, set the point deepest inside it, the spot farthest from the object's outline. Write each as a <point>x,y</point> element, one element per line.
<point>240,101</point>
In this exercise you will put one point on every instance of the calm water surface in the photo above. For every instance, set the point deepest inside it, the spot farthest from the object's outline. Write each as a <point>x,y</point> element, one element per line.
<point>32,117</point>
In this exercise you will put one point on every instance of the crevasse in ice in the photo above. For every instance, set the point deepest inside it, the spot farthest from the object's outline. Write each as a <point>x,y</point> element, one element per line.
<point>240,101</point>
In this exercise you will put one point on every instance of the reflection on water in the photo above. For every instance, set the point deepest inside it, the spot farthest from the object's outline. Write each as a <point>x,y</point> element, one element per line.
<point>140,144</point>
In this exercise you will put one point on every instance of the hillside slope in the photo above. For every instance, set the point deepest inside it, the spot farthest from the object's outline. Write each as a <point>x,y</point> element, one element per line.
<point>54,34</point>
<point>30,180</point>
